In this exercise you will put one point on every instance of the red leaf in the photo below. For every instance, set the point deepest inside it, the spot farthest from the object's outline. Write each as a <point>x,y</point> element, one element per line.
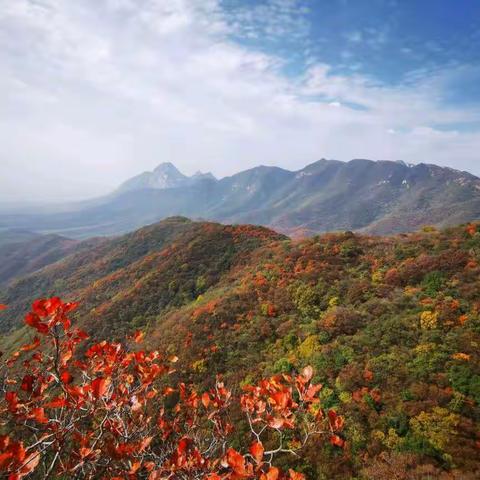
<point>65,377</point>
<point>99,387</point>
<point>281,399</point>
<point>31,346</point>
<point>69,306</point>
<point>66,323</point>
<point>57,402</point>
<point>39,307</point>
<point>52,305</point>
<point>237,463</point>
<point>12,400</point>
<point>272,474</point>
<point>256,450</point>
<point>206,399</point>
<point>336,421</point>
<point>33,320</point>
<point>81,334</point>
<point>27,383</point>
<point>84,452</point>
<point>2,306</point>
<point>138,336</point>
<point>312,391</point>
<point>336,441</point>
<point>38,414</point>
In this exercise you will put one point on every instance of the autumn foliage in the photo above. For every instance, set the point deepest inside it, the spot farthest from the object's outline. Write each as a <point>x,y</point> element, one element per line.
<point>112,410</point>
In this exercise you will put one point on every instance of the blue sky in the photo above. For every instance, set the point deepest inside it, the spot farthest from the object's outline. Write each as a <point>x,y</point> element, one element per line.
<point>385,38</point>
<point>96,91</point>
<point>391,41</point>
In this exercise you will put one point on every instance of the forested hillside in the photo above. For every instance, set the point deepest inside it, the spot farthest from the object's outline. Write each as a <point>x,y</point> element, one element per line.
<point>390,325</point>
<point>20,258</point>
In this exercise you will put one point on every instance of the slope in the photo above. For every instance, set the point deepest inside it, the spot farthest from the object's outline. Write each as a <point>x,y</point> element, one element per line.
<point>21,258</point>
<point>390,324</point>
<point>168,263</point>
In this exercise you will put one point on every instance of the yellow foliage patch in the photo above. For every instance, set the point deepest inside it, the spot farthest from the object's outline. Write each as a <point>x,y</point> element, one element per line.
<point>428,319</point>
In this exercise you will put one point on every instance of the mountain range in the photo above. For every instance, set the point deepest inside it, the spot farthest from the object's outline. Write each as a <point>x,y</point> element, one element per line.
<point>380,197</point>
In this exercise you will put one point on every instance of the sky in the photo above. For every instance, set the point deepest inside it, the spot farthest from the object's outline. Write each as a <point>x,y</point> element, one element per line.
<point>95,91</point>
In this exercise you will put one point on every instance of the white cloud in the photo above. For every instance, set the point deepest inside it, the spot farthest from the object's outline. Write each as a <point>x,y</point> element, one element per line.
<point>95,91</point>
<point>272,20</point>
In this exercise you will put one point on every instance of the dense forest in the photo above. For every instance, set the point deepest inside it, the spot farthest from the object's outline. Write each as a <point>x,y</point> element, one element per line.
<point>390,326</point>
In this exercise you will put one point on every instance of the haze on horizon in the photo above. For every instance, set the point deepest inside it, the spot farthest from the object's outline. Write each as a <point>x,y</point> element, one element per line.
<point>98,91</point>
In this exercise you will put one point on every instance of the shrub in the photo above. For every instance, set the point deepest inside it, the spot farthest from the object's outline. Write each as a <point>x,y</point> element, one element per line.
<point>114,412</point>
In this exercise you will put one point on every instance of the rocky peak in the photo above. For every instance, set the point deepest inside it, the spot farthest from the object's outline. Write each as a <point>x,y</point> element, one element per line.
<point>165,175</point>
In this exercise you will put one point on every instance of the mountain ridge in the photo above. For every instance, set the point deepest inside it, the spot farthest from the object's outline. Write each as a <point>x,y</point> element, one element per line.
<point>380,197</point>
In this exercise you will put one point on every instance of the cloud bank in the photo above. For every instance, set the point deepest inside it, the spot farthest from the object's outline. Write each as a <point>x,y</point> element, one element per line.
<point>96,91</point>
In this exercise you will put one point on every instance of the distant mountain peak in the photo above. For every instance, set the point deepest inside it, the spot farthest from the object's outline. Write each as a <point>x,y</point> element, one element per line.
<point>165,175</point>
<point>167,167</point>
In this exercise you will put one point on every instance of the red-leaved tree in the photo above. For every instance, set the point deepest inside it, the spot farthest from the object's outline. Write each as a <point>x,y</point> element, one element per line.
<point>111,410</point>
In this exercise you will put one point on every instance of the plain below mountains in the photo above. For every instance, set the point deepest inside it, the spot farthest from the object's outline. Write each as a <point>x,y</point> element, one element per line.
<point>380,197</point>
